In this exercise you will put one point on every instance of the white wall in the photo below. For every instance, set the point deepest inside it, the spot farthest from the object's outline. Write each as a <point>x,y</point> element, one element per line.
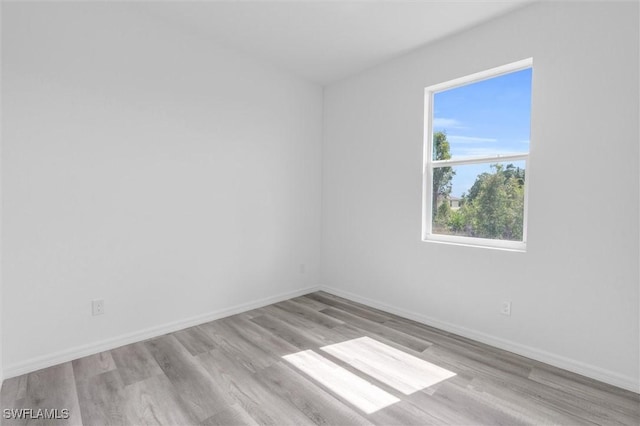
<point>1,322</point>
<point>155,170</point>
<point>174,179</point>
<point>575,291</point>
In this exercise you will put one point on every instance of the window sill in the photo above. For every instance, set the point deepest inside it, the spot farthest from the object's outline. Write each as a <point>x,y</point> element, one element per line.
<point>516,246</point>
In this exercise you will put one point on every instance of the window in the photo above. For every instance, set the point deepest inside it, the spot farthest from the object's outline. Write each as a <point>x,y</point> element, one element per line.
<point>476,153</point>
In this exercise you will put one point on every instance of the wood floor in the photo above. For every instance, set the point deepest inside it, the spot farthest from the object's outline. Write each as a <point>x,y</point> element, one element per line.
<point>274,366</point>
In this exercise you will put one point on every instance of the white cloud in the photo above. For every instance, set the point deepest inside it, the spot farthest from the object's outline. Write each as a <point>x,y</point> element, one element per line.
<point>440,123</point>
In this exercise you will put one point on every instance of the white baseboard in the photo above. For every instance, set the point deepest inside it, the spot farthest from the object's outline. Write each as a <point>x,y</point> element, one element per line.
<point>45,361</point>
<point>559,361</point>
<point>591,371</point>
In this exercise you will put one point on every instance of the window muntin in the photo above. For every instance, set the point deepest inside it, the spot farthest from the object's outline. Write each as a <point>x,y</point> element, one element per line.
<point>476,153</point>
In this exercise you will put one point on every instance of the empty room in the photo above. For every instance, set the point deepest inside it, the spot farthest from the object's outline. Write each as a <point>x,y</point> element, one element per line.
<point>320,212</point>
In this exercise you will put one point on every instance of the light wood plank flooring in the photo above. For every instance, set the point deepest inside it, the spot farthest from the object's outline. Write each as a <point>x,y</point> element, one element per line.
<point>235,371</point>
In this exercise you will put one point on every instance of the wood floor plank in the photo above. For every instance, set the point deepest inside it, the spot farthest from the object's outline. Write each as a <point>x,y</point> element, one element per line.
<point>419,331</point>
<point>562,401</point>
<point>350,307</point>
<point>310,303</point>
<point>476,351</point>
<point>252,332</point>
<point>233,371</point>
<point>298,321</point>
<point>368,312</point>
<point>589,390</point>
<point>379,329</point>
<point>444,414</point>
<point>317,404</point>
<point>403,414</point>
<point>315,331</point>
<point>102,399</point>
<point>300,338</point>
<point>311,315</point>
<point>473,363</point>
<point>233,415</point>
<point>53,388</point>
<point>135,363</point>
<point>12,397</point>
<point>246,350</point>
<point>18,420</point>
<point>350,332</point>
<point>537,412</point>
<point>467,404</point>
<point>197,389</point>
<point>403,372</point>
<point>89,366</point>
<point>483,376</point>
<point>195,340</point>
<point>13,389</point>
<point>257,400</point>
<point>358,391</point>
<point>155,401</point>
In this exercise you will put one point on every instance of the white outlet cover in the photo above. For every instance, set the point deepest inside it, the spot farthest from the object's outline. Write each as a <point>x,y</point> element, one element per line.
<point>97,307</point>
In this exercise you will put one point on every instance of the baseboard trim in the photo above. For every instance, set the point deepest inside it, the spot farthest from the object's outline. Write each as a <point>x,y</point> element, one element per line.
<point>45,361</point>
<point>591,371</point>
<point>559,361</point>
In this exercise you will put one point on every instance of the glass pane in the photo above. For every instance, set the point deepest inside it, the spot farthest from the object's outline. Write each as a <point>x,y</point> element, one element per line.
<point>479,200</point>
<point>488,117</point>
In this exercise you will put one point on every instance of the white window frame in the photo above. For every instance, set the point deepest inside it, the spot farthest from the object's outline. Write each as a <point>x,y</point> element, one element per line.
<point>430,164</point>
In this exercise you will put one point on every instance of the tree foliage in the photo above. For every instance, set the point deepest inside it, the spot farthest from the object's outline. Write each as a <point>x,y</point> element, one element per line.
<point>442,176</point>
<point>493,208</point>
<point>443,213</point>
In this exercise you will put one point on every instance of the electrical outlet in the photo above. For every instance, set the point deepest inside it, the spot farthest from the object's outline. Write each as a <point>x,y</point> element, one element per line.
<point>97,307</point>
<point>505,309</point>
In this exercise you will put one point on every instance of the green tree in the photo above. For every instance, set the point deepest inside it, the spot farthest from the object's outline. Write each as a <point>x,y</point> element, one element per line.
<point>494,207</point>
<point>475,188</point>
<point>517,173</point>
<point>456,221</point>
<point>443,214</point>
<point>442,176</point>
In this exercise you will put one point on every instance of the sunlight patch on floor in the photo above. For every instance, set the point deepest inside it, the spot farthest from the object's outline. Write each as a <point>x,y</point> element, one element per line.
<point>357,391</point>
<point>401,371</point>
<point>395,368</point>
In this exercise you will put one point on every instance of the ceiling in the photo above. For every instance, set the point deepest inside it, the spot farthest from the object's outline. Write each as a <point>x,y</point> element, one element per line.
<point>324,41</point>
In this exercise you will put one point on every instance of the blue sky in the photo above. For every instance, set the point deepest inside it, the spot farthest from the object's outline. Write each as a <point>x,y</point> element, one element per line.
<point>484,118</point>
